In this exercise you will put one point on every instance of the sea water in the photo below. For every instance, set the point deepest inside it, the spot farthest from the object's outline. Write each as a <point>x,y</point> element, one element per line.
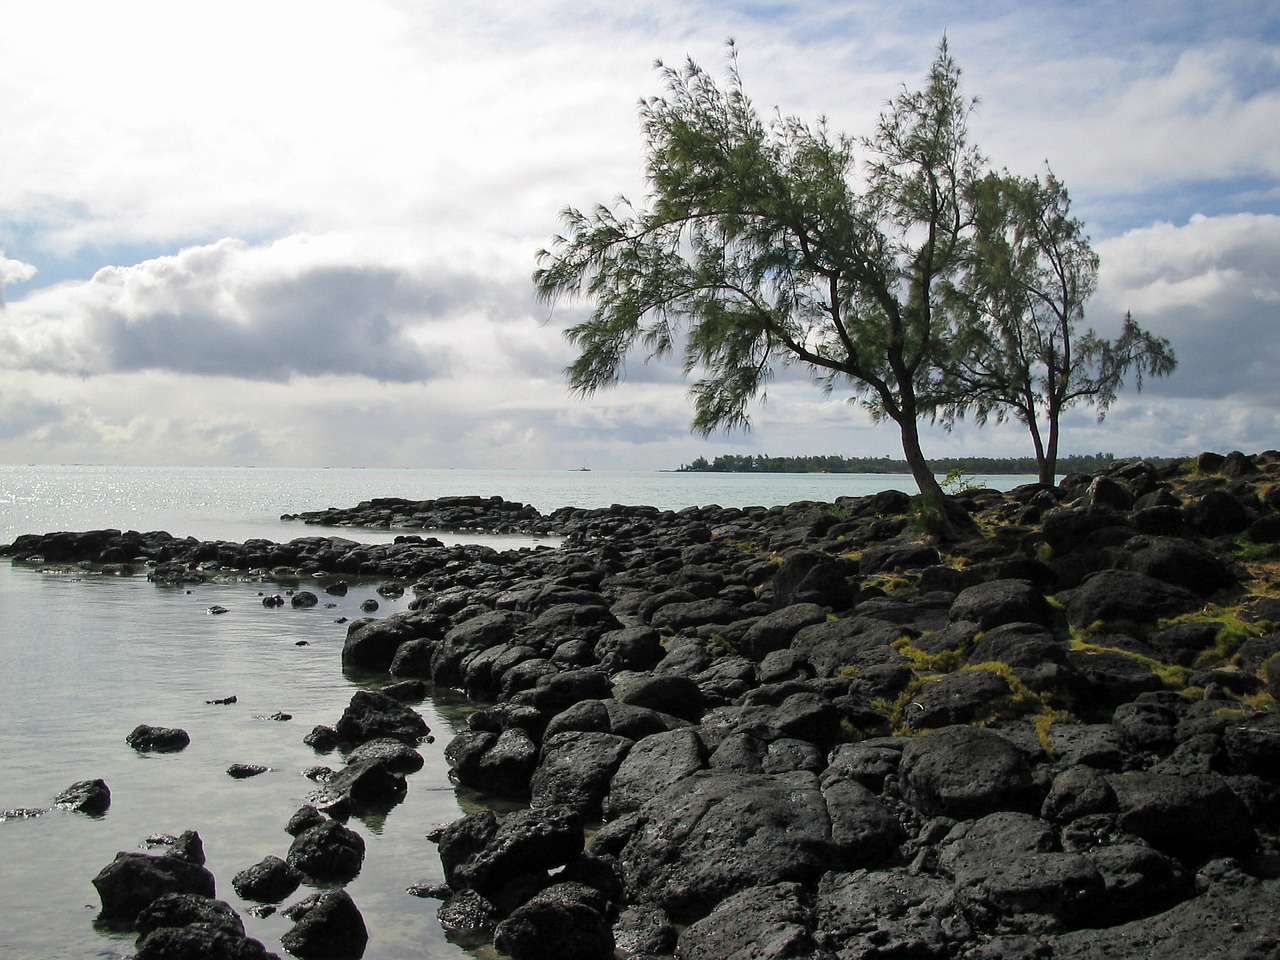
<point>85,658</point>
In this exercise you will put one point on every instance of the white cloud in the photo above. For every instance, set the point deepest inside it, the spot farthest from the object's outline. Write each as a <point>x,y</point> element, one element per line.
<point>1210,287</point>
<point>311,225</point>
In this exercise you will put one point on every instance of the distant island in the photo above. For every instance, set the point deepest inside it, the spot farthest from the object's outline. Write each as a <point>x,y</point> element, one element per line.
<point>973,466</point>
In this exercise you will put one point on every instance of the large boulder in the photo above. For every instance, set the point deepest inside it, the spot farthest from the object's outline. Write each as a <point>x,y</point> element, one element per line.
<point>364,785</point>
<point>554,929</point>
<point>862,827</point>
<point>1010,873</point>
<point>373,644</point>
<point>653,764</point>
<point>676,696</point>
<point>1124,595</point>
<point>187,927</point>
<point>966,772</point>
<point>1179,562</point>
<point>500,763</point>
<point>715,833</point>
<point>956,698</point>
<point>482,853</point>
<point>860,913</point>
<point>775,630</point>
<point>575,770</point>
<point>850,644</point>
<point>631,648</point>
<point>1001,601</point>
<point>471,636</point>
<point>1224,923</point>
<point>1191,817</point>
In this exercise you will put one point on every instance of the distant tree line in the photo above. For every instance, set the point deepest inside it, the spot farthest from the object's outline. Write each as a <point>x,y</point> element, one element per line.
<point>834,463</point>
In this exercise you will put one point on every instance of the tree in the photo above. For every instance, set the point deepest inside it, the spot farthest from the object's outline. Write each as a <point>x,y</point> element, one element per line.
<point>1029,273</point>
<point>755,250</point>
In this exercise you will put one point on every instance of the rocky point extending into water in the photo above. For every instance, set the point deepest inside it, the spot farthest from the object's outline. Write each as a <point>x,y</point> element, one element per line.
<point>810,731</point>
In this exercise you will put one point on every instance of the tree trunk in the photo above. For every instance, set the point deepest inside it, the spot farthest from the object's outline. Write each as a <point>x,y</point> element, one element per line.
<point>933,502</point>
<point>1049,465</point>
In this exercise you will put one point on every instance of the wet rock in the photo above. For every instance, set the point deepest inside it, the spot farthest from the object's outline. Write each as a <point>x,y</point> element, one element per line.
<point>373,644</point>
<point>392,754</point>
<point>370,784</point>
<point>199,941</point>
<point>481,852</point>
<point>467,916</point>
<point>132,881</point>
<point>643,930</point>
<point>502,764</point>
<point>327,926</point>
<point>243,771</point>
<point>373,716</point>
<point>327,852</point>
<point>149,739</point>
<point>269,880</point>
<point>553,930</point>
<point>473,635</point>
<point>303,599</point>
<point>304,819</point>
<point>322,738</point>
<point>86,796</point>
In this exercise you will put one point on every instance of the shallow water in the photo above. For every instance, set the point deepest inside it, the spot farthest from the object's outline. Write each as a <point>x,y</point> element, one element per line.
<point>85,659</point>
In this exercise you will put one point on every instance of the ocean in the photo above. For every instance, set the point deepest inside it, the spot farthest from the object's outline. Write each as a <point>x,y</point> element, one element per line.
<point>86,658</point>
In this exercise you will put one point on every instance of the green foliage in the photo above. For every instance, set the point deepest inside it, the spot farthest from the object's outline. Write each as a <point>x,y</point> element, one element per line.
<point>1029,273</point>
<point>765,243</point>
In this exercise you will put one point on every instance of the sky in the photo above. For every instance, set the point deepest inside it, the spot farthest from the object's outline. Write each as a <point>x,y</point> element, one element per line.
<point>301,232</point>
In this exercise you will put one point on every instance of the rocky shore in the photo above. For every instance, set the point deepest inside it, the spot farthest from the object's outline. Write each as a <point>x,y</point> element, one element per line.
<point>809,731</point>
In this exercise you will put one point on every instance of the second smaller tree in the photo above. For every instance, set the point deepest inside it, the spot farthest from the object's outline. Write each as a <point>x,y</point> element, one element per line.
<point>1030,270</point>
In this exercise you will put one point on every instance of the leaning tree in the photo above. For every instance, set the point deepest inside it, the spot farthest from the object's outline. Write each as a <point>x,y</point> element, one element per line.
<point>765,242</point>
